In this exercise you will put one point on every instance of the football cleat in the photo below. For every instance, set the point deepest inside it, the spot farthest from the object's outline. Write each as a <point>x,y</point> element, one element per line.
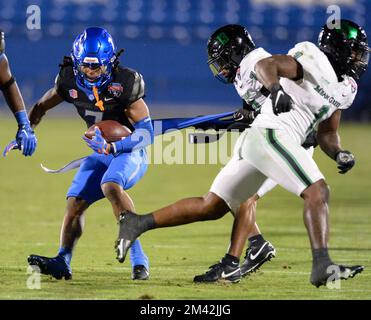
<point>128,232</point>
<point>220,272</point>
<point>140,272</point>
<point>256,256</point>
<point>57,267</point>
<point>334,272</point>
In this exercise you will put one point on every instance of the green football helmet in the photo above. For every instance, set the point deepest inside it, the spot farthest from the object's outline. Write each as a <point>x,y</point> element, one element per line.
<point>346,46</point>
<point>226,47</point>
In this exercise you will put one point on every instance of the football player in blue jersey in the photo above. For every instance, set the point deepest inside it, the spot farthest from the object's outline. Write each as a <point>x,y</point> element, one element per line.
<point>25,138</point>
<point>100,89</point>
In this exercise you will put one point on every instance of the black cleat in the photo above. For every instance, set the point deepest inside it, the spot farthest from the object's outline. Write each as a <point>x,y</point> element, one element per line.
<point>256,256</point>
<point>332,273</point>
<point>57,267</point>
<point>140,272</point>
<point>128,232</point>
<point>220,272</point>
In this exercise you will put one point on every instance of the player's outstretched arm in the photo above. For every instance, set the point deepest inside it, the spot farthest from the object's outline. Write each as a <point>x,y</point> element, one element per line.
<point>9,87</point>
<point>48,101</point>
<point>329,140</point>
<point>269,71</point>
<point>25,139</point>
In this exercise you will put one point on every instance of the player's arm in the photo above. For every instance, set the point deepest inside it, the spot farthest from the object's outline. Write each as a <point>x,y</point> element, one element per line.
<point>270,70</point>
<point>329,140</point>
<point>25,138</point>
<point>327,135</point>
<point>49,100</point>
<point>143,134</point>
<point>9,87</point>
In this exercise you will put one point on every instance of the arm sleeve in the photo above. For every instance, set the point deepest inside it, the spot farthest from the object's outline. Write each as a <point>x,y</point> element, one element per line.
<point>142,137</point>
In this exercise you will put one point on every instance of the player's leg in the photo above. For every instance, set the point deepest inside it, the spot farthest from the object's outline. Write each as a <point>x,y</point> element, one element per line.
<point>232,184</point>
<point>72,226</point>
<point>259,250</point>
<point>276,155</point>
<point>208,207</point>
<point>316,220</point>
<point>212,206</point>
<point>123,173</point>
<point>239,181</point>
<point>85,190</point>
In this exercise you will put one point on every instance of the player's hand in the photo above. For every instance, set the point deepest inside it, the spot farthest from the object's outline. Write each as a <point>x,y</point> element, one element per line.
<point>345,160</point>
<point>281,101</point>
<point>25,140</point>
<point>98,143</point>
<point>245,116</point>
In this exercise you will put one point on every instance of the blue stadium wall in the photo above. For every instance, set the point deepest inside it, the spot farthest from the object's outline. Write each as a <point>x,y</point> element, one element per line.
<point>165,40</point>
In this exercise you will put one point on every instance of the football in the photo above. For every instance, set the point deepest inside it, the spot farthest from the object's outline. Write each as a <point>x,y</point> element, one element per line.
<point>111,130</point>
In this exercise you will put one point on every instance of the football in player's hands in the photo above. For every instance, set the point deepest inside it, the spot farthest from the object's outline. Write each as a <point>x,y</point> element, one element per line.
<point>111,130</point>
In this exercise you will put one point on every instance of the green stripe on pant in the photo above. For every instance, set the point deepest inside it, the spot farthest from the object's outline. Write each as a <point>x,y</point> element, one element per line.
<point>289,159</point>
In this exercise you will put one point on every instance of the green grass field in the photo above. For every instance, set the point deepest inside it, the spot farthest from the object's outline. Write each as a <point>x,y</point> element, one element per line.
<point>32,206</point>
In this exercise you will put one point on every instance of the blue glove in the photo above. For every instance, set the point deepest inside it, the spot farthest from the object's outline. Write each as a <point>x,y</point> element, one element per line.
<point>25,138</point>
<point>98,143</point>
<point>142,137</point>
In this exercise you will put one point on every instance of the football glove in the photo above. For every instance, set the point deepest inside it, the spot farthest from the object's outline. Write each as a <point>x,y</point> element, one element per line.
<point>245,116</point>
<point>345,160</point>
<point>281,101</point>
<point>25,140</point>
<point>98,143</point>
<point>311,140</point>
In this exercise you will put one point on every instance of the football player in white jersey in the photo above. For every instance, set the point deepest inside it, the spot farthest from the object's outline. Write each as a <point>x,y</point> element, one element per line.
<point>215,204</point>
<point>232,47</point>
<point>314,84</point>
<point>315,91</point>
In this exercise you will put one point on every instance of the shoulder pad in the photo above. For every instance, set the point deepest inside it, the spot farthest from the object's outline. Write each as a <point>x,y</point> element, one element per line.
<point>132,82</point>
<point>67,61</point>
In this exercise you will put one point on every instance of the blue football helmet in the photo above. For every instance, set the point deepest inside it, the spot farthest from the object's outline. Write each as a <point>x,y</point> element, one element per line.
<point>93,49</point>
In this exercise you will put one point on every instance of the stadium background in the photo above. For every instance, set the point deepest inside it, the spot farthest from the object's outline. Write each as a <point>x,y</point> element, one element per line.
<point>165,40</point>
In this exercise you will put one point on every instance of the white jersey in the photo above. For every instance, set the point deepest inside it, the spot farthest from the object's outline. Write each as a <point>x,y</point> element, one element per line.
<point>315,97</point>
<point>246,83</point>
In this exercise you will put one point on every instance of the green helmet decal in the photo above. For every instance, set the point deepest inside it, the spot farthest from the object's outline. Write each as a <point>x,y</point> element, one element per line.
<point>352,33</point>
<point>223,38</point>
<point>349,31</point>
